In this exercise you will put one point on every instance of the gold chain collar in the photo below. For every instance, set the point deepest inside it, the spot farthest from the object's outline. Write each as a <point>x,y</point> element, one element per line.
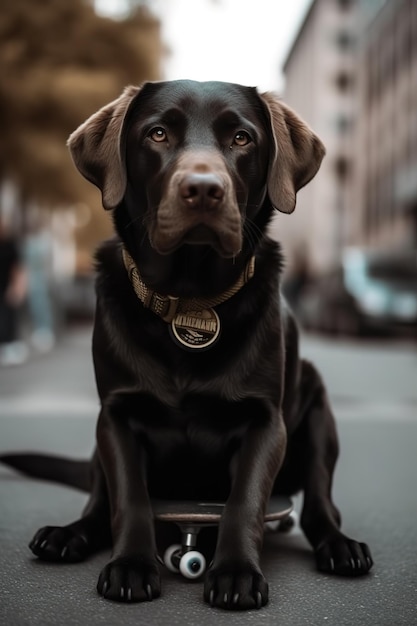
<point>168,306</point>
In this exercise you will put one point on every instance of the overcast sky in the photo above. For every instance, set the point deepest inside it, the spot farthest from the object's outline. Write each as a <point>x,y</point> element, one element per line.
<point>243,41</point>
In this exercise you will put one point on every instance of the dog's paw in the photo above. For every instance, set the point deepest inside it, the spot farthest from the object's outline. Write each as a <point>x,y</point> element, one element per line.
<point>235,587</point>
<point>344,556</point>
<point>130,580</point>
<point>60,543</point>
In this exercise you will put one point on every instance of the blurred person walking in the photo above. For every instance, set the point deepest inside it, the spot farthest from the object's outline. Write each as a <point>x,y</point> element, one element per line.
<point>13,289</point>
<point>37,251</point>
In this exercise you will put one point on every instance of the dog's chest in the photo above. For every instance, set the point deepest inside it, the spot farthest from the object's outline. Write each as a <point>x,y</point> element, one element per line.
<point>190,447</point>
<point>201,423</point>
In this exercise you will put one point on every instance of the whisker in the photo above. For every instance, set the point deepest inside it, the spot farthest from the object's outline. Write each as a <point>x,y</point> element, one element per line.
<point>143,217</point>
<point>252,232</point>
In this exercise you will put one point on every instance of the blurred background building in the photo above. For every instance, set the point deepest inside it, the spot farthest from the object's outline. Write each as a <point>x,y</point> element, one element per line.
<point>386,172</point>
<point>349,69</point>
<point>321,85</point>
<point>351,73</point>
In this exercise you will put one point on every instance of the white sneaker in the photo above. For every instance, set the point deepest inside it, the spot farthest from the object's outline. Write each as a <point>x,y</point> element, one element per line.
<point>13,353</point>
<point>43,339</point>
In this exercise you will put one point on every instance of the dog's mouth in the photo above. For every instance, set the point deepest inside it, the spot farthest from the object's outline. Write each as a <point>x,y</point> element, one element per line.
<point>226,243</point>
<point>201,235</point>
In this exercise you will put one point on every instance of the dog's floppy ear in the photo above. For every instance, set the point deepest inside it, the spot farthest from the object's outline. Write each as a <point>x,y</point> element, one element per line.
<point>296,156</point>
<point>95,148</point>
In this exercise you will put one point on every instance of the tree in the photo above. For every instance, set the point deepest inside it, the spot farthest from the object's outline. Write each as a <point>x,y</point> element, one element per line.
<point>59,63</point>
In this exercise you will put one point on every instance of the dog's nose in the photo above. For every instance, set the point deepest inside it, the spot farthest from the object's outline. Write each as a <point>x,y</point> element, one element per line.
<point>202,190</point>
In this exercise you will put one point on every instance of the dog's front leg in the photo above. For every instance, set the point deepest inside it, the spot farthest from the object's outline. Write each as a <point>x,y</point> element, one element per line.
<point>133,573</point>
<point>320,519</point>
<point>235,580</point>
<point>78,540</point>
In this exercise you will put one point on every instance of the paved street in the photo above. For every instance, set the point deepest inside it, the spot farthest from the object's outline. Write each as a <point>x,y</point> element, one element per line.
<point>49,404</point>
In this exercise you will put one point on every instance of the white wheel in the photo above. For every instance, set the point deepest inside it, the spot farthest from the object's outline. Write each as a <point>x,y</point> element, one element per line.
<point>169,552</point>
<point>192,564</point>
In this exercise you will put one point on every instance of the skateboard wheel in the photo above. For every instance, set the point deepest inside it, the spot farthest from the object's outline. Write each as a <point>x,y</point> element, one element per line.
<point>192,564</point>
<point>169,553</point>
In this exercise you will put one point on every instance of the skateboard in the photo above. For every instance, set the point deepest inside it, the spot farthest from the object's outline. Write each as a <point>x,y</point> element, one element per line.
<point>192,516</point>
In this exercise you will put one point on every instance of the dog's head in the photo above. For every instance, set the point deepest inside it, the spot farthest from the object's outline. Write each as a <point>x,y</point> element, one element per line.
<point>192,161</point>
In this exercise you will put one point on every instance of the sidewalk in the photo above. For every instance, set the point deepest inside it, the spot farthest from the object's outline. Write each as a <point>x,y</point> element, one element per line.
<point>65,372</point>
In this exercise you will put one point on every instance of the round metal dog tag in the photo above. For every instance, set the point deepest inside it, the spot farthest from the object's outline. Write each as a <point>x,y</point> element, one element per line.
<point>196,329</point>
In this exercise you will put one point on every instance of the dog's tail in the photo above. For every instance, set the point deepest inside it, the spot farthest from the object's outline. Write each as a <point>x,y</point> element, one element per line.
<point>52,468</point>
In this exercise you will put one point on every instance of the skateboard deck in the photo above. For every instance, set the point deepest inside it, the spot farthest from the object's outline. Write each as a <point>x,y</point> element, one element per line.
<point>193,511</point>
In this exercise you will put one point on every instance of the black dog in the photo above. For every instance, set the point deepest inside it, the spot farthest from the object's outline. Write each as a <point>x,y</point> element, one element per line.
<point>202,391</point>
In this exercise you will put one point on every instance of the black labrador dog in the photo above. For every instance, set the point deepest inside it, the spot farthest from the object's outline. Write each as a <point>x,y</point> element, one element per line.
<point>203,393</point>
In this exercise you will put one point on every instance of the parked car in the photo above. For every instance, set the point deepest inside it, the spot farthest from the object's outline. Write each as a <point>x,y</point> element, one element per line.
<point>384,286</point>
<point>370,292</point>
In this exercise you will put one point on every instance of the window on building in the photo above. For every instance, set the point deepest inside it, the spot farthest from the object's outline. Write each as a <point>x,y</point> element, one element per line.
<point>342,168</point>
<point>345,40</point>
<point>369,206</point>
<point>371,82</point>
<point>346,4</point>
<point>344,81</point>
<point>343,123</point>
<point>413,30</point>
<point>387,52</point>
<point>404,43</point>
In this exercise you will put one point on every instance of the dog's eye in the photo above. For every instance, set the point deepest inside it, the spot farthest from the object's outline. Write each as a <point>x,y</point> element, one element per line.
<point>158,134</point>
<point>242,138</point>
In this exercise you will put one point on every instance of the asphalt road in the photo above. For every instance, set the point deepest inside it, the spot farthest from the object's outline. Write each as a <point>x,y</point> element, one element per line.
<point>50,404</point>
